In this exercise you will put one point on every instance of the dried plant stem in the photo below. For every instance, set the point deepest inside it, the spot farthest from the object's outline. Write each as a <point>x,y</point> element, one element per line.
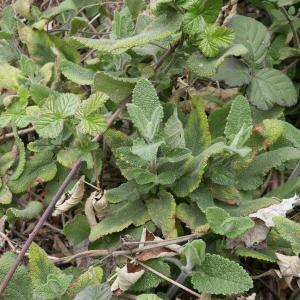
<point>20,132</point>
<point>179,285</point>
<point>69,177</point>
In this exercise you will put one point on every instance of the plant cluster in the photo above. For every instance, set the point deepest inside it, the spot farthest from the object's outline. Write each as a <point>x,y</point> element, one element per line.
<point>205,151</point>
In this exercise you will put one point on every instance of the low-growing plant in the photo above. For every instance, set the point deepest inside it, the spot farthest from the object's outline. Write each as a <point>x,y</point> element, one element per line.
<point>182,115</point>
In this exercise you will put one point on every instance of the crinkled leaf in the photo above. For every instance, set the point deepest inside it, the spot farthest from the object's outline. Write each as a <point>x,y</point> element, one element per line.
<point>219,275</point>
<point>95,292</point>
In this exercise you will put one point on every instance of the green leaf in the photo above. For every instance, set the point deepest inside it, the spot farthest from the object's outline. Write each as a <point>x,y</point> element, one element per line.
<point>122,24</point>
<point>252,177</point>
<point>48,281</point>
<point>219,275</point>
<point>31,211</point>
<point>196,131</point>
<point>115,87</point>
<point>239,116</point>
<point>49,123</point>
<point>288,230</point>
<point>7,160</point>
<point>134,7</point>
<point>78,23</point>
<point>270,87</point>
<point>192,216</point>
<point>233,71</point>
<point>9,76</point>
<point>146,151</point>
<point>93,276</point>
<point>173,131</point>
<point>77,229</point>
<point>207,67</point>
<point>21,159</point>
<point>95,292</point>
<point>146,111</point>
<point>213,38</point>
<point>162,212</point>
<point>125,191</point>
<point>193,170</point>
<point>150,280</point>
<point>194,253</point>
<point>119,217</point>
<point>40,168</point>
<point>76,73</point>
<point>159,29</point>
<point>148,297</point>
<point>20,286</point>
<point>5,194</point>
<point>221,222</point>
<point>199,13</point>
<point>68,157</point>
<point>253,35</point>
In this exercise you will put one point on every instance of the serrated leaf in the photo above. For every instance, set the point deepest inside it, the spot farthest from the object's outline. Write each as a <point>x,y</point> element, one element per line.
<point>162,212</point>
<point>7,160</point>
<point>159,29</point>
<point>48,281</point>
<point>263,254</point>
<point>9,76</point>
<point>207,67</point>
<point>77,229</point>
<point>269,87</point>
<point>253,35</point>
<point>192,216</point>
<point>219,275</point>
<point>150,280</point>
<point>117,88</point>
<point>31,211</point>
<point>119,217</point>
<point>5,194</point>
<point>288,230</point>
<point>76,73</point>
<point>20,286</point>
<point>196,131</point>
<point>40,168</point>
<point>49,123</point>
<point>213,38</point>
<point>96,292</point>
<point>252,177</point>
<point>239,116</point>
<point>68,157</point>
<point>93,276</point>
<point>221,222</point>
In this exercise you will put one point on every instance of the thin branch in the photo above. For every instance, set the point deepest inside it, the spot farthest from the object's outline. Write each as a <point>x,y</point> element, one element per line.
<point>72,173</point>
<point>20,132</point>
<point>166,278</point>
<point>293,28</point>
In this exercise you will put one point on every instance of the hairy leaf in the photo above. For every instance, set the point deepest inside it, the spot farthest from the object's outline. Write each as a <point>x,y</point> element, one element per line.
<point>162,212</point>
<point>159,29</point>
<point>95,292</point>
<point>218,275</point>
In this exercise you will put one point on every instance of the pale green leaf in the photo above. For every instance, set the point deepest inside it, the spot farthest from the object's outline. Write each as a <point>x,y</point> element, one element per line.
<point>196,131</point>
<point>214,38</point>
<point>288,230</point>
<point>95,292</point>
<point>119,217</point>
<point>239,116</point>
<point>221,222</point>
<point>219,275</point>
<point>134,6</point>
<point>270,87</point>
<point>20,286</point>
<point>31,211</point>
<point>159,29</point>
<point>148,297</point>
<point>122,24</point>
<point>117,88</point>
<point>9,76</point>
<point>207,67</point>
<point>253,35</point>
<point>76,73</point>
<point>162,212</point>
<point>194,253</point>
